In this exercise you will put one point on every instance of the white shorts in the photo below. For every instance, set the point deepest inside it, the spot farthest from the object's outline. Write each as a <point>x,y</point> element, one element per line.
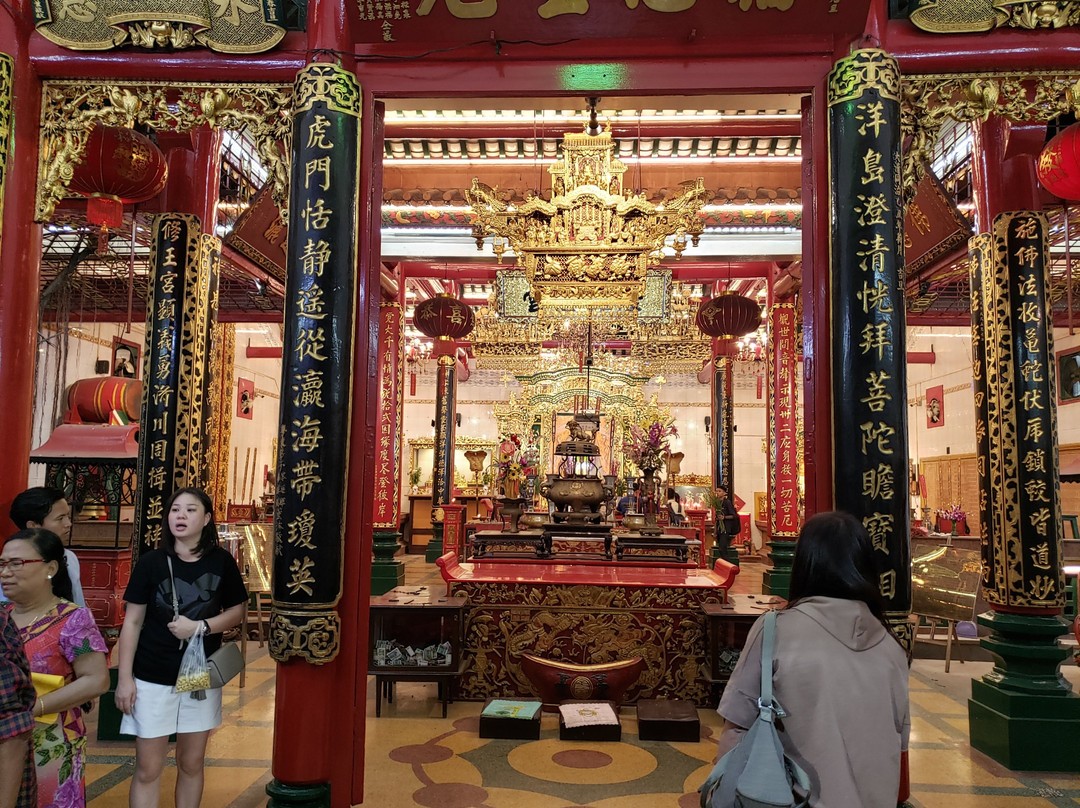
<point>160,711</point>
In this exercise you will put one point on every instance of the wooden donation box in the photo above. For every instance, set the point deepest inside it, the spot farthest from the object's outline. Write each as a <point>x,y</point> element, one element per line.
<point>729,623</point>
<point>668,720</point>
<point>416,635</point>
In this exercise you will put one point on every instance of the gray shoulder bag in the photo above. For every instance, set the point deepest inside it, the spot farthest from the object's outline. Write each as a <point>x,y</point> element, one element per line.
<point>757,773</point>
<point>227,661</point>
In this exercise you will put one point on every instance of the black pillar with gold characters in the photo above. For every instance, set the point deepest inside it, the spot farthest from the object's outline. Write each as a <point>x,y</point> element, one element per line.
<point>316,383</point>
<point>723,418</point>
<point>1023,713</point>
<point>445,319</point>
<point>171,434</point>
<point>307,633</point>
<point>442,475</point>
<point>197,398</point>
<point>210,255</point>
<point>868,317</point>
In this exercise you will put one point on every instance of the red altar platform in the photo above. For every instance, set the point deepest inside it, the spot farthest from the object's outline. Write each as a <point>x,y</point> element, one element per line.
<point>585,614</point>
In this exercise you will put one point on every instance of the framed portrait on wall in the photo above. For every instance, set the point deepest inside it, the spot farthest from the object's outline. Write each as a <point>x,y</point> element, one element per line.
<point>125,358</point>
<point>935,406</point>
<point>1068,367</point>
<point>245,398</point>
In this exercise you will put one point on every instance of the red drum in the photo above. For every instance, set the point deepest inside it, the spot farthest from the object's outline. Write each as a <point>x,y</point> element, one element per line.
<point>93,400</point>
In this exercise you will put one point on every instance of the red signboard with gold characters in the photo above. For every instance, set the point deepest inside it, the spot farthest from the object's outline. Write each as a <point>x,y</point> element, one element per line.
<point>387,479</point>
<point>783,451</point>
<point>510,22</point>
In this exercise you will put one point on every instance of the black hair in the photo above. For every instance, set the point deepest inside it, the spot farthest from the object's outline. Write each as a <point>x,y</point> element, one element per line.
<point>34,505</point>
<point>835,559</point>
<point>209,537</point>
<point>49,547</point>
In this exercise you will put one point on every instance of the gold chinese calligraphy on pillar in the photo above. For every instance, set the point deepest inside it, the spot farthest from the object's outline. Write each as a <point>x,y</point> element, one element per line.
<point>1015,415</point>
<point>175,372</point>
<point>316,383</point>
<point>388,450</point>
<point>869,379</point>
<point>784,468</point>
<point>7,78</point>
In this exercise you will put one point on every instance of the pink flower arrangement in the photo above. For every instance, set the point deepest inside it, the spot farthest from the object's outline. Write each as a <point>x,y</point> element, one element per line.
<point>647,446</point>
<point>516,464</point>
<point>952,513</point>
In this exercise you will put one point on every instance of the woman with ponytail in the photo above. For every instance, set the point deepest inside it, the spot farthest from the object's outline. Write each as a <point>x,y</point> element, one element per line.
<point>67,659</point>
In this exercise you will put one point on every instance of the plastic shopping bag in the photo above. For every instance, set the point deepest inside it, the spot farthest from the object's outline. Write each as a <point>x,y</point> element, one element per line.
<point>194,672</point>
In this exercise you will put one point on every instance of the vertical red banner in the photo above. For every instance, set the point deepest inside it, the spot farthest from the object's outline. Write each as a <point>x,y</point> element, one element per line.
<point>387,455</point>
<point>783,424</point>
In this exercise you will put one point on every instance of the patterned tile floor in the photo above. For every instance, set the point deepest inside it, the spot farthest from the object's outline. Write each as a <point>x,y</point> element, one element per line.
<point>417,758</point>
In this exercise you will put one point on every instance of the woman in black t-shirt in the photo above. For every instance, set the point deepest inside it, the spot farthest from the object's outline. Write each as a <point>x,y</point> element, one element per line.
<point>211,598</point>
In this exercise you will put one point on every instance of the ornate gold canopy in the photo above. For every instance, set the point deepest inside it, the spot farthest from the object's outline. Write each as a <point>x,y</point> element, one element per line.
<point>589,246</point>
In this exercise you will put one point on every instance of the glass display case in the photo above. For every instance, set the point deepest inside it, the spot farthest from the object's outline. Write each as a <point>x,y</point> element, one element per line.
<point>417,634</point>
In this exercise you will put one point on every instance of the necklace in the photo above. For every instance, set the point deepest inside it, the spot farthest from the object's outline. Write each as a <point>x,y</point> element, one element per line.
<point>51,605</point>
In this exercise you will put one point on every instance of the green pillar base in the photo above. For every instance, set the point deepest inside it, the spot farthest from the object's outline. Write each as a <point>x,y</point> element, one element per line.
<point>777,581</point>
<point>435,546</point>
<point>284,795</point>
<point>108,716</point>
<point>1024,732</point>
<point>386,573</point>
<point>722,549</point>
<point>1023,713</point>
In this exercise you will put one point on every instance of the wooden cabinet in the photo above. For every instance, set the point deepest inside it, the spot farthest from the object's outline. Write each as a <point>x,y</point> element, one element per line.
<point>420,532</point>
<point>729,623</point>
<point>953,480</point>
<point>416,635</point>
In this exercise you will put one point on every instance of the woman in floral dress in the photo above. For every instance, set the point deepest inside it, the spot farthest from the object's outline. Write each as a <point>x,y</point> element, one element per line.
<point>60,639</point>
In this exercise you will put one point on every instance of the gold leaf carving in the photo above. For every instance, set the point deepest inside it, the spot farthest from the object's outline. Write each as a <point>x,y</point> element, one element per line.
<point>70,110</point>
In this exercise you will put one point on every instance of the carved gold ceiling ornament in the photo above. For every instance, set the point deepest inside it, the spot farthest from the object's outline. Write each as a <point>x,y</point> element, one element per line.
<point>928,101</point>
<point>70,109</point>
<point>671,344</point>
<point>590,245</point>
<point>228,26</point>
<point>974,16</point>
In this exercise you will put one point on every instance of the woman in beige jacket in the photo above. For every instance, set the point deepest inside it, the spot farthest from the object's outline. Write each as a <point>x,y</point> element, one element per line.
<point>838,672</point>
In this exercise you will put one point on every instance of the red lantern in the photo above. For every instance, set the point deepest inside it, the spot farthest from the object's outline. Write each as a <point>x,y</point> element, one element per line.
<point>1059,164</point>
<point>728,315</point>
<point>443,317</point>
<point>121,166</point>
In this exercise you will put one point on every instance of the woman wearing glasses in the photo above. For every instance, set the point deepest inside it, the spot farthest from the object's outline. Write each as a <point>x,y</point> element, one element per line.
<point>61,640</point>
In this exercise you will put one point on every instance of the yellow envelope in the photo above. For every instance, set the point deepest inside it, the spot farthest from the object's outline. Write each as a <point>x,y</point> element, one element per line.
<point>45,683</point>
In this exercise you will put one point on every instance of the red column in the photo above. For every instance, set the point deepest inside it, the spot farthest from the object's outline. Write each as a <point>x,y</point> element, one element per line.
<point>319,720</point>
<point>1003,162</point>
<point>20,255</point>
<point>195,175</point>
<point>817,381</point>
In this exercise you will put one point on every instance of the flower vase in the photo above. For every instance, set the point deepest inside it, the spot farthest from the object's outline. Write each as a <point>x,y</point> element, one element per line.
<point>510,513</point>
